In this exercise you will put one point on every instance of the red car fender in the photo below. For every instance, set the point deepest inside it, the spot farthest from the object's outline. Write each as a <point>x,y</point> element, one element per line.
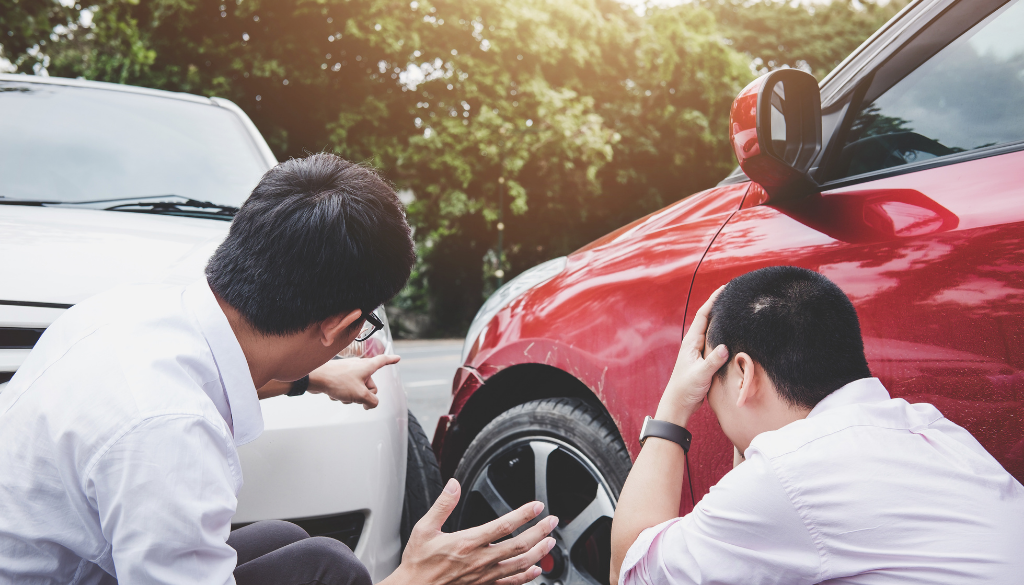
<point>569,322</point>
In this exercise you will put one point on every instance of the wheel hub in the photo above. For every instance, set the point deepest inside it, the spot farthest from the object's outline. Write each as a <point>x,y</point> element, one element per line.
<point>553,564</point>
<point>569,485</point>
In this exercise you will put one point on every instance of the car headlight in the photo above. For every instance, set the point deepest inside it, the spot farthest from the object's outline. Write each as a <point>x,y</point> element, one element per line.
<point>512,289</point>
<point>378,343</point>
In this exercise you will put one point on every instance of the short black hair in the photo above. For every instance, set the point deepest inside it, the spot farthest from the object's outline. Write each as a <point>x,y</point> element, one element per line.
<point>317,237</point>
<point>798,325</point>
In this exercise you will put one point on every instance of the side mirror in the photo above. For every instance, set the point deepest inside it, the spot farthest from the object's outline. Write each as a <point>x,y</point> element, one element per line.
<point>775,130</point>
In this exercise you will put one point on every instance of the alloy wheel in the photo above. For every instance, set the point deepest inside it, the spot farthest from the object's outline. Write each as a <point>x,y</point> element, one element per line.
<point>569,485</point>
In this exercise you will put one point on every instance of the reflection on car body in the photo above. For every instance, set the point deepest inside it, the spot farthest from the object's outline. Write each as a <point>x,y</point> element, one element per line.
<point>910,203</point>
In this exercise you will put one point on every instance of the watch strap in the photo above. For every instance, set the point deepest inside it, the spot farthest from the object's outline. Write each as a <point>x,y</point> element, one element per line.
<point>666,430</point>
<point>299,386</point>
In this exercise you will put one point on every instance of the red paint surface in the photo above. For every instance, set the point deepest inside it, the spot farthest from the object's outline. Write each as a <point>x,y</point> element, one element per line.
<point>933,261</point>
<point>743,123</point>
<point>934,264</point>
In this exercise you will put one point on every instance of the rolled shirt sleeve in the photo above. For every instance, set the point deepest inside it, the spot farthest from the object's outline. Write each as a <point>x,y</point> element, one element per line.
<point>746,530</point>
<point>165,492</point>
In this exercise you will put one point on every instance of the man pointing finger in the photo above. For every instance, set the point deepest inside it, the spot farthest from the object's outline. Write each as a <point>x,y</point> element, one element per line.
<point>119,433</point>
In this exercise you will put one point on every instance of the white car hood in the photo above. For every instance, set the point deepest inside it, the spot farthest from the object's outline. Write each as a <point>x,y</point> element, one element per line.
<point>60,255</point>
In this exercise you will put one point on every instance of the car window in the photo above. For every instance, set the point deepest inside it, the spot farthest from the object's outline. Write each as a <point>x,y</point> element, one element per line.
<point>967,96</point>
<point>73,144</point>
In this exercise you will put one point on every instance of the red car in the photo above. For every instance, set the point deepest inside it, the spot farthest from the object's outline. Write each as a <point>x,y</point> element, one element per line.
<point>900,177</point>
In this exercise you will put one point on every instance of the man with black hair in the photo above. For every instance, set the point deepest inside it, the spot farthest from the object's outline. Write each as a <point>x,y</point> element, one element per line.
<point>833,480</point>
<point>118,434</point>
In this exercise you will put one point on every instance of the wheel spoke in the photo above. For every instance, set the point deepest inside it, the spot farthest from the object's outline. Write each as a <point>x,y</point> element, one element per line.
<point>600,507</point>
<point>571,534</point>
<point>541,452</point>
<point>486,489</point>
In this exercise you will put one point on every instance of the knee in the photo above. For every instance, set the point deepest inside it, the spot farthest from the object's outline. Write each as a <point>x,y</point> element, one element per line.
<point>339,563</point>
<point>283,532</point>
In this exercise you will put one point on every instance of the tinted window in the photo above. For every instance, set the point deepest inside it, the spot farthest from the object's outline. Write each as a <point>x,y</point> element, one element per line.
<point>80,144</point>
<point>968,96</point>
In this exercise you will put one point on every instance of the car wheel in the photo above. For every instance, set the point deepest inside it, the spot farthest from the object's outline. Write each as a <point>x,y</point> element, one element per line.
<point>560,451</point>
<point>422,479</point>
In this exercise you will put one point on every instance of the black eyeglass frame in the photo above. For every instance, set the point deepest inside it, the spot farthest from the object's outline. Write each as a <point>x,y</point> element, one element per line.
<point>373,320</point>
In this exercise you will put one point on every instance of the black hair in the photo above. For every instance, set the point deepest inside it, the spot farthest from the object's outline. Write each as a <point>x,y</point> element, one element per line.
<point>318,236</point>
<point>798,325</point>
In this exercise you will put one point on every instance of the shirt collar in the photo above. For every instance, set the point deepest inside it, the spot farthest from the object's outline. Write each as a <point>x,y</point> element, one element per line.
<point>860,391</point>
<point>246,416</point>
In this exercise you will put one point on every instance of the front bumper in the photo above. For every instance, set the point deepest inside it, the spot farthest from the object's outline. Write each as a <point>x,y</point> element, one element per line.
<point>319,462</point>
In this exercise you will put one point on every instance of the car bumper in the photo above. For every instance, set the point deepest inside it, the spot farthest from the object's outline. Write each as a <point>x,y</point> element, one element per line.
<point>318,459</point>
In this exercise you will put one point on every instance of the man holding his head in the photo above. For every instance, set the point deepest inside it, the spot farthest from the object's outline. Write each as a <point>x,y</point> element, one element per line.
<point>837,482</point>
<point>118,435</point>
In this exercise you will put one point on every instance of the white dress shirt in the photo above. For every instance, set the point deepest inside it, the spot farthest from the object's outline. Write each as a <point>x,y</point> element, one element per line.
<point>118,443</point>
<point>866,489</point>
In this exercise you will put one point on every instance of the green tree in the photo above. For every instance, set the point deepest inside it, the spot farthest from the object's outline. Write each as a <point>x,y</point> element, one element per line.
<point>811,36</point>
<point>27,25</point>
<point>559,119</point>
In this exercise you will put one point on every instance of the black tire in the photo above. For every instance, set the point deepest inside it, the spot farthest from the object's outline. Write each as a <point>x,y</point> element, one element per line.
<point>585,466</point>
<point>422,479</point>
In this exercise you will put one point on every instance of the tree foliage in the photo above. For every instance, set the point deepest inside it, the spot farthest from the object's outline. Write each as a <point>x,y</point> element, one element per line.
<point>558,120</point>
<point>811,36</point>
<point>27,25</point>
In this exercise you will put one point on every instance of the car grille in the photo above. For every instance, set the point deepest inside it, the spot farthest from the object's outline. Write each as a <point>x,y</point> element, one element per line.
<point>19,337</point>
<point>346,528</point>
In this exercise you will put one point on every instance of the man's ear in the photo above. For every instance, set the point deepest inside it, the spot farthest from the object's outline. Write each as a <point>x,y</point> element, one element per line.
<point>335,327</point>
<point>748,387</point>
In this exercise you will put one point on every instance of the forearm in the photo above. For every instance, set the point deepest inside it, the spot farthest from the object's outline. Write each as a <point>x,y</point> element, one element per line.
<point>318,381</point>
<point>655,484</point>
<point>650,496</point>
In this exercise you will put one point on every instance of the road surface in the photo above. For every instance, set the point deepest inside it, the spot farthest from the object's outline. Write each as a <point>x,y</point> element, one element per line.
<point>427,369</point>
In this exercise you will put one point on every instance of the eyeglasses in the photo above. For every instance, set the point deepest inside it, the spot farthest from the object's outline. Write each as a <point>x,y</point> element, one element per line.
<point>371,325</point>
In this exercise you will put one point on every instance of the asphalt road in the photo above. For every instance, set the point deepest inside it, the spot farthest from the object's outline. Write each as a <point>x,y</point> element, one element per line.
<point>427,369</point>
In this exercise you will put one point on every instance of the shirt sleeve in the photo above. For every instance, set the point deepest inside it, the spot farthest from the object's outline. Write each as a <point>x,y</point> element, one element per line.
<point>165,493</point>
<point>746,530</point>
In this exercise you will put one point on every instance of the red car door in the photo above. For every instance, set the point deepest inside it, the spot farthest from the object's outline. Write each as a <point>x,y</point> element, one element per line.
<point>921,222</point>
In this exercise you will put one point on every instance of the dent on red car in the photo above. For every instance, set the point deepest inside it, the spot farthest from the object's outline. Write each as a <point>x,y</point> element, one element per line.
<point>613,318</point>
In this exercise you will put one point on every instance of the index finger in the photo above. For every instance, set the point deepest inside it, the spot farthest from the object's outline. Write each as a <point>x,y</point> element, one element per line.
<point>369,366</point>
<point>497,529</point>
<point>694,337</point>
<point>386,359</point>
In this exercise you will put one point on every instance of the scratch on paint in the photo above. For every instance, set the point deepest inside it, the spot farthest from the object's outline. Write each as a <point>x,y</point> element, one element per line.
<point>526,352</point>
<point>547,358</point>
<point>600,384</point>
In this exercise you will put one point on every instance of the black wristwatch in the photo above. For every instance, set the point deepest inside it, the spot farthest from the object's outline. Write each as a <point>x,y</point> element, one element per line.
<point>299,386</point>
<point>665,430</point>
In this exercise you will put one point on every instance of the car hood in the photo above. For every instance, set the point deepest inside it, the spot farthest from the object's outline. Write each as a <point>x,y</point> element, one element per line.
<point>60,255</point>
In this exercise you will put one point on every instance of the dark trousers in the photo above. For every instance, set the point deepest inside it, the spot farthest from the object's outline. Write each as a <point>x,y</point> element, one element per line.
<point>274,552</point>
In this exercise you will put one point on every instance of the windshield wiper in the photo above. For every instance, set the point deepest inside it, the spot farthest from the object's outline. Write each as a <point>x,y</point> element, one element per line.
<point>186,206</point>
<point>36,202</point>
<point>160,204</point>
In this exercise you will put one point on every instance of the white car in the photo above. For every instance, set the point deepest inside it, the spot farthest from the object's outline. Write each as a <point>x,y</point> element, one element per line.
<point>104,185</point>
